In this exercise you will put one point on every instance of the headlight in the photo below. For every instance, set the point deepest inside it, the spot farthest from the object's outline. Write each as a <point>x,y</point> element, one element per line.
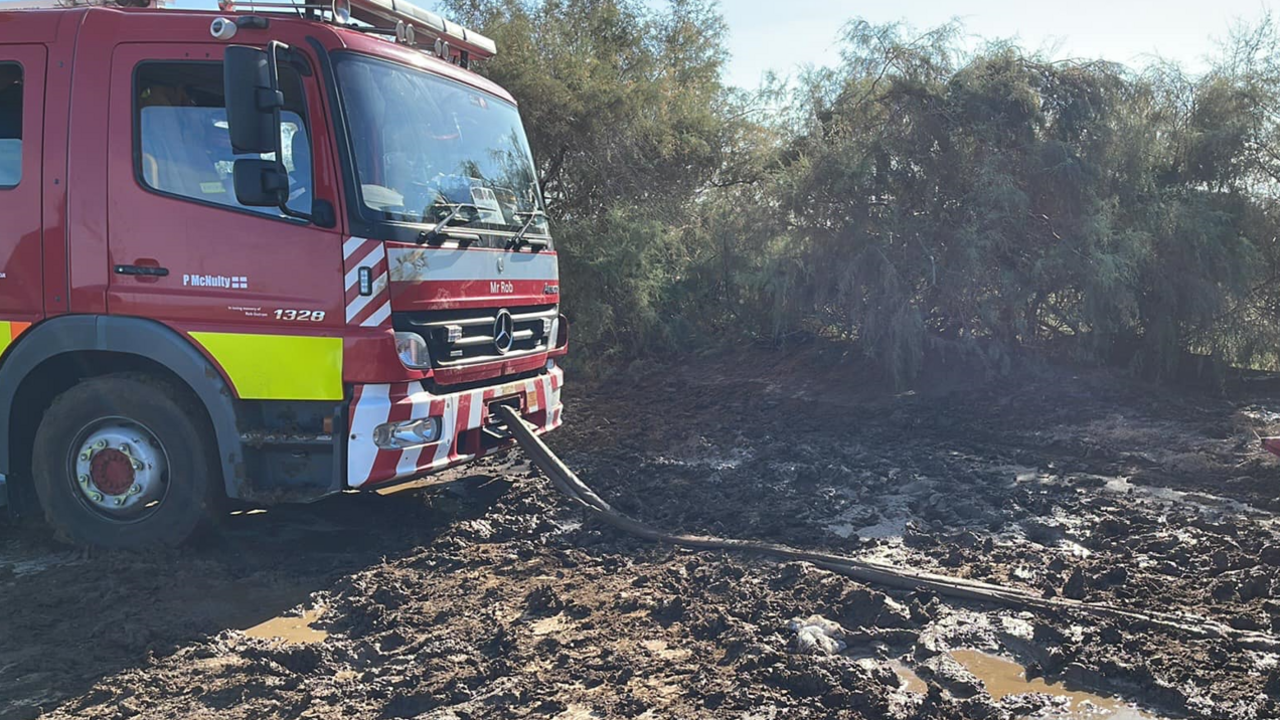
<point>412,350</point>
<point>560,331</point>
<point>411,433</point>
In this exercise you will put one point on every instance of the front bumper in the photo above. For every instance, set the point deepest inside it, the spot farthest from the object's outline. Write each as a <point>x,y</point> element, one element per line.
<point>463,416</point>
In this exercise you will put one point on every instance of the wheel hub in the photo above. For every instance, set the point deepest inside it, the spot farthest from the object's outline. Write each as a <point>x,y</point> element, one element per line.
<point>111,471</point>
<point>120,468</point>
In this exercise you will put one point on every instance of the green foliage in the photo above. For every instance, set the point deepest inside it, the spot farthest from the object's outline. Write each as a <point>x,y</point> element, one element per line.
<point>983,203</point>
<point>917,198</point>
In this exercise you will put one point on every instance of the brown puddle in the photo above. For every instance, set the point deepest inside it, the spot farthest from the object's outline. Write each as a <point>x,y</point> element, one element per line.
<point>290,629</point>
<point>1004,677</point>
<point>911,682</point>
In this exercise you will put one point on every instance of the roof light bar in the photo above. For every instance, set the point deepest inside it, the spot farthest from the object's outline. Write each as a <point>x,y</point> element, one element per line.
<point>427,25</point>
<point>410,24</point>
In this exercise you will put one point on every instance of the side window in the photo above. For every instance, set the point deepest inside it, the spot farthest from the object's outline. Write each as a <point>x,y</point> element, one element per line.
<point>182,144</point>
<point>10,124</point>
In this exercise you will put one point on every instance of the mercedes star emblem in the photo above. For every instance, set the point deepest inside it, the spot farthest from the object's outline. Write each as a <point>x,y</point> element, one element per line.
<point>504,332</point>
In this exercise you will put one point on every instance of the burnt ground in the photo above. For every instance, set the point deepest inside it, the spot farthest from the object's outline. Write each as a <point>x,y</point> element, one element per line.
<point>488,597</point>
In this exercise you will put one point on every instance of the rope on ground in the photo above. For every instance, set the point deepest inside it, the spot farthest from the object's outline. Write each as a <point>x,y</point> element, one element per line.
<point>870,571</point>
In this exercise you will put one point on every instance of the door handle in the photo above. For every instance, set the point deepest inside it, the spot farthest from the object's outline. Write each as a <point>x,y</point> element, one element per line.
<point>144,270</point>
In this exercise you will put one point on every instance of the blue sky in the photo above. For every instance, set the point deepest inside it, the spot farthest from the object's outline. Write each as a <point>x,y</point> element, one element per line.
<point>780,36</point>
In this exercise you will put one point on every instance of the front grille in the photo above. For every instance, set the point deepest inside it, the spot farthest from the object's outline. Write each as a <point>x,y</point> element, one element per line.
<point>473,331</point>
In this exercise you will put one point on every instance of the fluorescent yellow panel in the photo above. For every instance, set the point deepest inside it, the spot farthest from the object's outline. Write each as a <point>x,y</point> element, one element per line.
<point>9,331</point>
<point>278,367</point>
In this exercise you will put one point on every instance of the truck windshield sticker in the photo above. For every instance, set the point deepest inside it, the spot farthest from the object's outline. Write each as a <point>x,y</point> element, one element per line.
<point>487,203</point>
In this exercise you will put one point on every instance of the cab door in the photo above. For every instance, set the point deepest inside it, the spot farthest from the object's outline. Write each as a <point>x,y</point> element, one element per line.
<point>22,78</point>
<point>260,292</point>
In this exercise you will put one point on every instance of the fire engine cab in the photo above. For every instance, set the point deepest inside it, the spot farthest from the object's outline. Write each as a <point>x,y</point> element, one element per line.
<point>266,253</point>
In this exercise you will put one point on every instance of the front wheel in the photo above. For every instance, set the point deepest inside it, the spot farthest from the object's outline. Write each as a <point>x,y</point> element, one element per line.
<point>124,462</point>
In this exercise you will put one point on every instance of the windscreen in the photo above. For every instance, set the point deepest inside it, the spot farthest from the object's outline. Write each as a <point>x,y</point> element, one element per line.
<point>426,147</point>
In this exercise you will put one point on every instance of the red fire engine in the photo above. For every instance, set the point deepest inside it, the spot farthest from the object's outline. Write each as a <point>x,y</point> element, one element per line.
<point>267,254</point>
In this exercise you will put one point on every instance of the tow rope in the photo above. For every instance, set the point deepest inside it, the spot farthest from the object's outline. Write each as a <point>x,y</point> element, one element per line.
<point>870,571</point>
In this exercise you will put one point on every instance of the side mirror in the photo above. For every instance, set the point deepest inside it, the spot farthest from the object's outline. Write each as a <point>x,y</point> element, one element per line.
<point>260,183</point>
<point>251,82</point>
<point>253,99</point>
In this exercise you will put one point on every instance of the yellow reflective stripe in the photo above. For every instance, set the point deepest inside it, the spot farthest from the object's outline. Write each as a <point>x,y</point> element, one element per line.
<point>278,367</point>
<point>9,331</point>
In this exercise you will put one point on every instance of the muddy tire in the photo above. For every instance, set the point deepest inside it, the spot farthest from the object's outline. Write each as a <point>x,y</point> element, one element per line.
<point>124,462</point>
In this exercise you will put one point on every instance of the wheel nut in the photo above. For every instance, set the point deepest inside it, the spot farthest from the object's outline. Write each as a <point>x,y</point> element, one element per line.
<point>119,501</point>
<point>100,444</point>
<point>84,479</point>
<point>124,448</point>
<point>135,489</point>
<point>137,465</point>
<point>96,497</point>
<point>85,455</point>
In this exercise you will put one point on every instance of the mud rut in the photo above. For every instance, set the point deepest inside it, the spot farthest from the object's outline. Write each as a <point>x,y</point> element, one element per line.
<point>492,598</point>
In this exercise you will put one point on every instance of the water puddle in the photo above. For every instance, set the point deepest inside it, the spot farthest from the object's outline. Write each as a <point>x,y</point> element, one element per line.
<point>290,629</point>
<point>1004,677</point>
<point>911,682</point>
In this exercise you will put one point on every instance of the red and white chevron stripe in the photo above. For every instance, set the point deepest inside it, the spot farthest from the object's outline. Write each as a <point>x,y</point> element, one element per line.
<point>373,310</point>
<point>461,414</point>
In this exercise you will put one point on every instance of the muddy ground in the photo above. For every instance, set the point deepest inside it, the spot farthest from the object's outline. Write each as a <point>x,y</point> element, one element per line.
<point>488,597</point>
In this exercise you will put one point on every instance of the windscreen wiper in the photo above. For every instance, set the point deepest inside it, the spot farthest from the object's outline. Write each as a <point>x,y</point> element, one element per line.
<point>442,225</point>
<point>518,240</point>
